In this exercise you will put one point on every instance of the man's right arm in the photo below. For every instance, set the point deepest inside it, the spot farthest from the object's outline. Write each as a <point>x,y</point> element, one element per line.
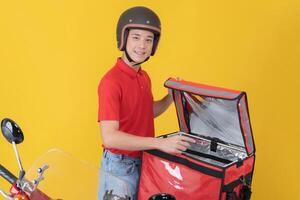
<point>112,137</point>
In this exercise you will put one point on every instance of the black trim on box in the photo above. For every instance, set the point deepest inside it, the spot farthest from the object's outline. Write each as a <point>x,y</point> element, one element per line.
<point>241,127</point>
<point>247,107</point>
<point>230,186</point>
<point>186,114</point>
<point>173,96</point>
<point>186,162</point>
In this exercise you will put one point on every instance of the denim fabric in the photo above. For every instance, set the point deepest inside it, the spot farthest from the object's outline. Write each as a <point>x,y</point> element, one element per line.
<point>119,177</point>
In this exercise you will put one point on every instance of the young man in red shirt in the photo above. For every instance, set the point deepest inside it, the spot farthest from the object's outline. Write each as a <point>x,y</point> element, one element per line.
<point>127,109</point>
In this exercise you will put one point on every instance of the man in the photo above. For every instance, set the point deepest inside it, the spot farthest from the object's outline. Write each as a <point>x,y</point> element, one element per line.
<point>127,109</point>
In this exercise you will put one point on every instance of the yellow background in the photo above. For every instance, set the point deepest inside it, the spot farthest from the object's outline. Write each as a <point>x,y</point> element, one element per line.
<point>54,52</point>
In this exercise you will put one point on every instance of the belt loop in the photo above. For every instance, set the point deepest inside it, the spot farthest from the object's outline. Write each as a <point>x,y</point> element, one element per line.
<point>122,157</point>
<point>104,153</point>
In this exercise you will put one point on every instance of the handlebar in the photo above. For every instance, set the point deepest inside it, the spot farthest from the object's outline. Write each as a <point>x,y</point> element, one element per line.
<point>7,175</point>
<point>25,185</point>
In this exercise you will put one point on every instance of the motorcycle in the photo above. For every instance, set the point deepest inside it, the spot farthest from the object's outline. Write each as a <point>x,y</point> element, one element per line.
<point>68,177</point>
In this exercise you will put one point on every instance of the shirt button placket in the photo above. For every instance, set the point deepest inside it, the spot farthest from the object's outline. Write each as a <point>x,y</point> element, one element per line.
<point>140,81</point>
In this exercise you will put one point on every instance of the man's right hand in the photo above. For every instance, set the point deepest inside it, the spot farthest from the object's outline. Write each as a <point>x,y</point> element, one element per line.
<point>175,144</point>
<point>113,138</point>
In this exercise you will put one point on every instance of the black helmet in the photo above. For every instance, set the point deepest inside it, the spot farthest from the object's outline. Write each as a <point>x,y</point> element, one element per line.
<point>141,18</point>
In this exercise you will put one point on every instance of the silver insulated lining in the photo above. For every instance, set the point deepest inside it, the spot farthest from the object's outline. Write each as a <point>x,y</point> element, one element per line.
<point>214,118</point>
<point>223,152</point>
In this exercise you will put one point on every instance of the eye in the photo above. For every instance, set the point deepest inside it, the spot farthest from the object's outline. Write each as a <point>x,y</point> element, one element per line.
<point>135,37</point>
<point>149,40</point>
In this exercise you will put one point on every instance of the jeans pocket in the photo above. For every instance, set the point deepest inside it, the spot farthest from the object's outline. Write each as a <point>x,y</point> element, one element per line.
<point>120,167</point>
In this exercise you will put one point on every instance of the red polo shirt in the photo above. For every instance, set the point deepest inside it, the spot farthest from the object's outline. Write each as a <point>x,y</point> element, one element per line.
<point>125,96</point>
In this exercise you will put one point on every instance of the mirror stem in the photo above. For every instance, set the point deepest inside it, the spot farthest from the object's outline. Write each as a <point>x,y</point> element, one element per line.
<point>18,159</point>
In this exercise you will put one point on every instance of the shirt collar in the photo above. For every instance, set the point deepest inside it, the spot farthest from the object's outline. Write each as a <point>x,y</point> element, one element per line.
<point>126,68</point>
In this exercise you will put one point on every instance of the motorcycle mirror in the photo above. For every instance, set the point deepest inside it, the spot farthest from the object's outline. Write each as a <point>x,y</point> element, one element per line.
<point>162,196</point>
<point>11,131</point>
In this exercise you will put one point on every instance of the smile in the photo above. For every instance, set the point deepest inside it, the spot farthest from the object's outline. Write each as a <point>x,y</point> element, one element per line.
<point>139,53</point>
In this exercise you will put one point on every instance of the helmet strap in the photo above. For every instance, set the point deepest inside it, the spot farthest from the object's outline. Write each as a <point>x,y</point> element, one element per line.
<point>132,61</point>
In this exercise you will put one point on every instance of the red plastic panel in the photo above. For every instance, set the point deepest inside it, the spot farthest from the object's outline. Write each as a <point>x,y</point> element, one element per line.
<point>163,176</point>
<point>234,172</point>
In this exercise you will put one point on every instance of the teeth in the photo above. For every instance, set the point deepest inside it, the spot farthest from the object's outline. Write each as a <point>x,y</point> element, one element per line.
<point>140,53</point>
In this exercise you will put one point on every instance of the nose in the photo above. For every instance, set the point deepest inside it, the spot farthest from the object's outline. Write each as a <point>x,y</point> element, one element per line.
<point>142,44</point>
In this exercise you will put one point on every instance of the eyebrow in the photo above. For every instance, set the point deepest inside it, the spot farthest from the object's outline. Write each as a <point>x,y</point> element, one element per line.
<point>137,34</point>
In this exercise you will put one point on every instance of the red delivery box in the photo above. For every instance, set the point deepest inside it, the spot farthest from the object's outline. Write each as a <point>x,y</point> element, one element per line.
<point>219,166</point>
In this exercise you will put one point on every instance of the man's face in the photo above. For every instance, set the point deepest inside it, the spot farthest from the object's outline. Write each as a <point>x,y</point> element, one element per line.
<point>139,44</point>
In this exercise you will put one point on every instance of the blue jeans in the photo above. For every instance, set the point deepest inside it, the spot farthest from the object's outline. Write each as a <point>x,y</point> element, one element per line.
<point>119,177</point>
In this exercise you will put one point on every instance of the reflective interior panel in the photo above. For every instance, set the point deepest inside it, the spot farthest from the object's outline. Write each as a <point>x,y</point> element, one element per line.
<point>224,154</point>
<point>214,118</point>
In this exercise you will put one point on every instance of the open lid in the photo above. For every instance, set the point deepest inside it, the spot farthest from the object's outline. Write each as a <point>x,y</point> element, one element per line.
<point>212,112</point>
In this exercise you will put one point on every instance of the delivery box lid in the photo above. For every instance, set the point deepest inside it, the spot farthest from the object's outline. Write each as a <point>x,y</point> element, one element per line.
<point>212,112</point>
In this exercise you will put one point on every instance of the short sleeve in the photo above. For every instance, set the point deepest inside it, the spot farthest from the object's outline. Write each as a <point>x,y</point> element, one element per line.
<point>109,93</point>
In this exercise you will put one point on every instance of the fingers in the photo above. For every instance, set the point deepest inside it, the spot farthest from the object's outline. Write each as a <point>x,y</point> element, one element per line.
<point>182,148</point>
<point>177,144</point>
<point>184,144</point>
<point>187,139</point>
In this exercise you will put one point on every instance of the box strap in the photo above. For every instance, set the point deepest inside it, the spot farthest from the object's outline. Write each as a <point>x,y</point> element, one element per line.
<point>245,193</point>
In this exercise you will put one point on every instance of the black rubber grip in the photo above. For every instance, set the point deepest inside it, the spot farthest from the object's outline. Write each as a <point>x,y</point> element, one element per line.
<point>7,175</point>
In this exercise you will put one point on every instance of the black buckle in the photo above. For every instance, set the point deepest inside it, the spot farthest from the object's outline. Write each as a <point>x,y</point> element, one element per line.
<point>213,145</point>
<point>239,163</point>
